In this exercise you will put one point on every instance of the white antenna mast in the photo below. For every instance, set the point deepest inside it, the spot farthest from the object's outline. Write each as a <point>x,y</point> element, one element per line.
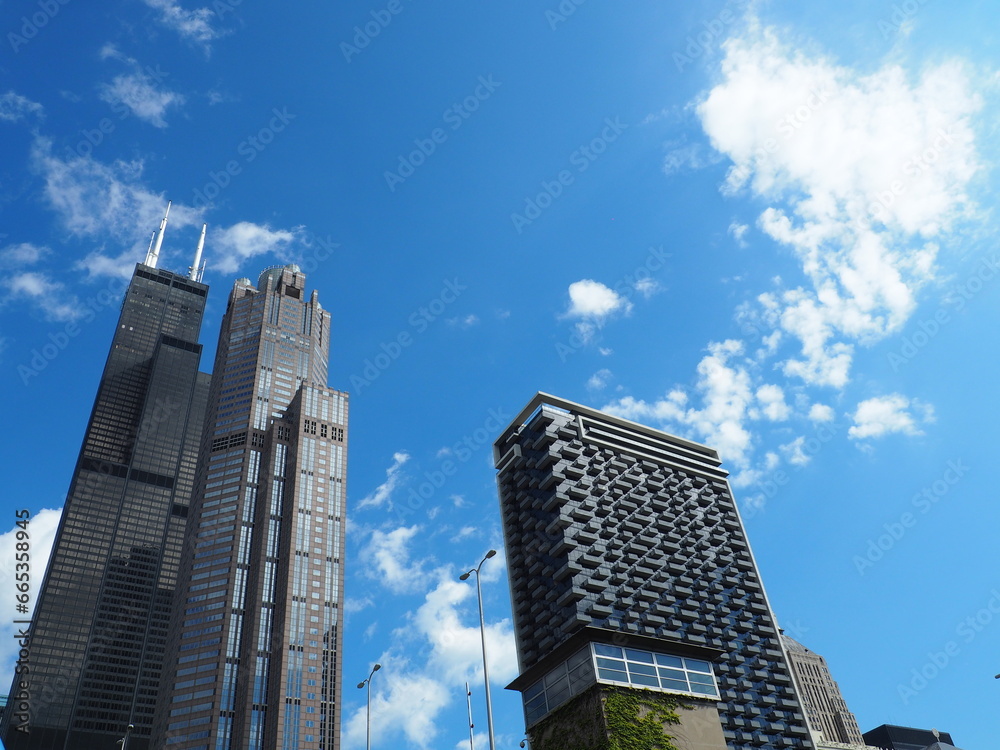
<point>195,270</point>
<point>153,255</point>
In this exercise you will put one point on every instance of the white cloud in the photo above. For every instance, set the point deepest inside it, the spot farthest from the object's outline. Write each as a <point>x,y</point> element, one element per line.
<point>234,245</point>
<point>795,452</point>
<point>138,92</point>
<point>387,558</point>
<point>47,295</point>
<point>193,25</point>
<point>682,157</point>
<point>22,254</point>
<point>352,605</point>
<point>14,107</point>
<point>738,232</point>
<point>93,200</point>
<point>456,647</point>
<point>480,739</point>
<point>407,698</point>
<point>466,321</point>
<point>109,50</point>
<point>594,301</point>
<point>772,402</point>
<point>384,491</point>
<point>884,415</point>
<point>647,287</point>
<point>599,380</point>
<point>404,701</point>
<point>464,533</point>
<point>820,413</point>
<point>42,530</point>
<point>726,396</point>
<point>865,173</point>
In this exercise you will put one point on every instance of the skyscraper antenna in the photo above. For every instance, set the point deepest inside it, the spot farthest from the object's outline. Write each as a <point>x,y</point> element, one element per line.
<point>153,255</point>
<point>195,274</point>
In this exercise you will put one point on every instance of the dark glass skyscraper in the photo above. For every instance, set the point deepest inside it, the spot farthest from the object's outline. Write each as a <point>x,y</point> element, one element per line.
<point>630,571</point>
<point>256,638</point>
<point>100,624</point>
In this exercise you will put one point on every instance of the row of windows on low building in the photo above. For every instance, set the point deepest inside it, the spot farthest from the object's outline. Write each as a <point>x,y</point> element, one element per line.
<point>603,663</point>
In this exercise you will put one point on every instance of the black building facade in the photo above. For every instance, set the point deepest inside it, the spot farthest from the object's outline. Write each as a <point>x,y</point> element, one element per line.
<point>630,569</point>
<point>892,737</point>
<point>99,629</point>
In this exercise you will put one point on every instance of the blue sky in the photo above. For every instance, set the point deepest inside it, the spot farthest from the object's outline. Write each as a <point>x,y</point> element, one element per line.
<point>767,227</point>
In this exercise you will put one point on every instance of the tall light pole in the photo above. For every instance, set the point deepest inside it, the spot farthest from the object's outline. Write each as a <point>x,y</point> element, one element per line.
<point>482,633</point>
<point>368,713</point>
<point>468,700</point>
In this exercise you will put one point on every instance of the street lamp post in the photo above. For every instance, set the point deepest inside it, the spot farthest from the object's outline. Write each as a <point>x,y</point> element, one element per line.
<point>482,633</point>
<point>124,740</point>
<point>368,713</point>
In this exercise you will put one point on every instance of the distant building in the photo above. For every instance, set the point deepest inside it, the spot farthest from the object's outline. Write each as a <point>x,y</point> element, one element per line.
<point>631,575</point>
<point>890,737</point>
<point>825,707</point>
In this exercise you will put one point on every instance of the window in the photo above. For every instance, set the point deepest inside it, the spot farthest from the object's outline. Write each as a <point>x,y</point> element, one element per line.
<point>599,662</point>
<point>655,670</point>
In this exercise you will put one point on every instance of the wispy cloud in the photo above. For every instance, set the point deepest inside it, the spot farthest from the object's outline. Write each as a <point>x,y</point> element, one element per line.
<point>44,293</point>
<point>139,94</point>
<point>387,559</point>
<point>110,203</point>
<point>599,380</point>
<point>232,246</point>
<point>14,107</point>
<point>465,321</point>
<point>383,492</point>
<point>739,232</point>
<point>192,25</point>
<point>22,254</point>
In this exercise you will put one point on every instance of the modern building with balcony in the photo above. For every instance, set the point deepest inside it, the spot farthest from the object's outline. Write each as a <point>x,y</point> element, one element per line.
<point>635,595</point>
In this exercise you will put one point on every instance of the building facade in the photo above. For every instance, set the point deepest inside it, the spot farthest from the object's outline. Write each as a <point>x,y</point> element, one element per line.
<point>630,569</point>
<point>255,655</point>
<point>892,737</point>
<point>99,629</point>
<point>825,707</point>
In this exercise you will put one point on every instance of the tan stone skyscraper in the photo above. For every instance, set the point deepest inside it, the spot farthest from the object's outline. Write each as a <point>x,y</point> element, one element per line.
<point>825,707</point>
<point>254,660</point>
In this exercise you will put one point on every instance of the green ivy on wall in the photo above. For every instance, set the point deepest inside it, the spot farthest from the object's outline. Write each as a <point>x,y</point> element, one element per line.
<point>609,718</point>
<point>635,719</point>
